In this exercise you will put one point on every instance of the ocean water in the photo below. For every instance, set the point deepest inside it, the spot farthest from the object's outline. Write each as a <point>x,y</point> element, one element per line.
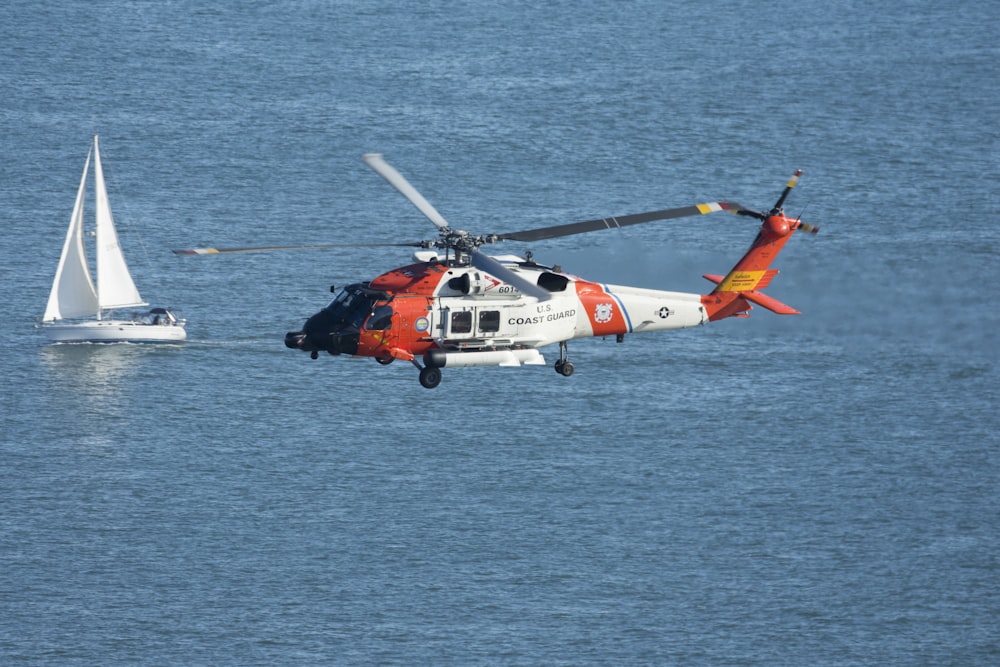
<point>809,490</point>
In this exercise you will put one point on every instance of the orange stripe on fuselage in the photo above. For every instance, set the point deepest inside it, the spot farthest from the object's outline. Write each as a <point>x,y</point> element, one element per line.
<point>604,310</point>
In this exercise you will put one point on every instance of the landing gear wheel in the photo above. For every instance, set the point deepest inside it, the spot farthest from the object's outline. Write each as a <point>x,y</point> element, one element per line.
<point>385,361</point>
<point>564,368</point>
<point>430,377</point>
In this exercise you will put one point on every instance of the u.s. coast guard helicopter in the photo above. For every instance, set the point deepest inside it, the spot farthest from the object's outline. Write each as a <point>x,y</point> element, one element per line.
<point>465,308</point>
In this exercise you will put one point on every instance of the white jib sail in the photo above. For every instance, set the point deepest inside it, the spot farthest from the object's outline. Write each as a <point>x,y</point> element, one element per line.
<point>115,288</point>
<point>73,293</point>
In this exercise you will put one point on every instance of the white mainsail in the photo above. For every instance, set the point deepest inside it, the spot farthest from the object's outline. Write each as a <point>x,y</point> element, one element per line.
<point>73,293</point>
<point>115,288</point>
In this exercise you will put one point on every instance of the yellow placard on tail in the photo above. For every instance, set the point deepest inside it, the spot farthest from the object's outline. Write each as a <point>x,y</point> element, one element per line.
<point>741,281</point>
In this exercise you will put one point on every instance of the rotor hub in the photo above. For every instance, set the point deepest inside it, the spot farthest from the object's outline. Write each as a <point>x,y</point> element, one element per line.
<point>461,241</point>
<point>777,225</point>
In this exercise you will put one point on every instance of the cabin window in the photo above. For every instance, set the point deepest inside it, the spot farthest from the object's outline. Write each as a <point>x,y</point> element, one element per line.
<point>553,282</point>
<point>489,321</point>
<point>461,284</point>
<point>380,320</point>
<point>461,322</point>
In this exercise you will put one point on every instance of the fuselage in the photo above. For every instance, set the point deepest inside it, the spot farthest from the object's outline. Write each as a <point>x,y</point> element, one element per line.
<point>436,304</point>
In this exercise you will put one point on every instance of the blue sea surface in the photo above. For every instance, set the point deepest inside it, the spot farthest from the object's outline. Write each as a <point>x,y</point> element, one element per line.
<point>810,490</point>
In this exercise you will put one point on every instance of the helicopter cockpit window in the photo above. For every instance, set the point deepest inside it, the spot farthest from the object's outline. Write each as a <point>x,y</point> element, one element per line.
<point>489,321</point>
<point>352,305</point>
<point>380,320</point>
<point>461,322</point>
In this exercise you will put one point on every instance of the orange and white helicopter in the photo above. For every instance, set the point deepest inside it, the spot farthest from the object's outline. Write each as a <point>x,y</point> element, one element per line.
<point>465,308</point>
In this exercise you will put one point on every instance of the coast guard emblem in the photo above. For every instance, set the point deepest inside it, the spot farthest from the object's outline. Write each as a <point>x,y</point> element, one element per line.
<point>603,313</point>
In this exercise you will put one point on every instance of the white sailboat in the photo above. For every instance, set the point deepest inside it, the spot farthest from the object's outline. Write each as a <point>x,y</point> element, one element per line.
<point>74,295</point>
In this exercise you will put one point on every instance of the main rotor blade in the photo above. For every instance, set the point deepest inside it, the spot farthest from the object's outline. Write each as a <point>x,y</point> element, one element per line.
<point>498,270</point>
<point>222,251</point>
<point>396,180</point>
<point>623,221</point>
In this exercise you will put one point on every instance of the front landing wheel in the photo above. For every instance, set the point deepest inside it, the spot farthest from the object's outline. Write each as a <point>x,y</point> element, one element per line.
<point>430,377</point>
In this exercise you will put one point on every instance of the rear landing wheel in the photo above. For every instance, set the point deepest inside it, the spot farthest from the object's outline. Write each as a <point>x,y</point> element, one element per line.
<point>430,377</point>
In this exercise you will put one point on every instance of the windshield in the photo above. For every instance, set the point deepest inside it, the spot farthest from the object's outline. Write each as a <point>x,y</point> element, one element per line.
<point>352,305</point>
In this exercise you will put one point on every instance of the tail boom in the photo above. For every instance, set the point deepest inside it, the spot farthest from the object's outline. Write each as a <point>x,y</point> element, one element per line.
<point>735,291</point>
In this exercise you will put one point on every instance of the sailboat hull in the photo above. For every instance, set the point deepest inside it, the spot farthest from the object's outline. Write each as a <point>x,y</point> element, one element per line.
<point>114,331</point>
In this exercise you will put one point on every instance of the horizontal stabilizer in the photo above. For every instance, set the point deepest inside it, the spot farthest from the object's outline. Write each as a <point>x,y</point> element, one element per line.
<point>768,302</point>
<point>759,298</point>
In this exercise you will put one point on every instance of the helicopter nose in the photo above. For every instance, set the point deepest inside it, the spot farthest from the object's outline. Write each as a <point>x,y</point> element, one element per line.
<point>323,331</point>
<point>295,340</point>
<point>316,333</point>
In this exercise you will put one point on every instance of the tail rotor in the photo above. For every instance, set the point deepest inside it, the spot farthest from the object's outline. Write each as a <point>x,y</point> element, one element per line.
<point>777,210</point>
<point>788,188</point>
